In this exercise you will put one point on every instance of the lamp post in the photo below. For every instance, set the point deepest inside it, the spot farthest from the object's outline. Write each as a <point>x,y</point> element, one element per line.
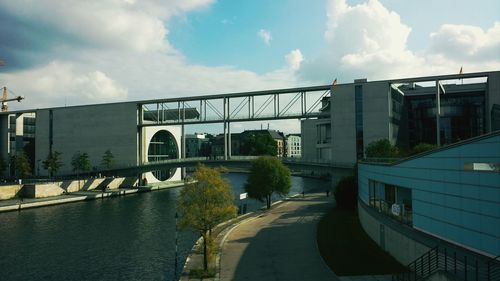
<point>176,254</point>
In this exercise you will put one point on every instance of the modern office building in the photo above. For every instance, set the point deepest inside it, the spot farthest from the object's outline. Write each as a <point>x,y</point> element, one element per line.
<point>451,193</point>
<point>403,111</point>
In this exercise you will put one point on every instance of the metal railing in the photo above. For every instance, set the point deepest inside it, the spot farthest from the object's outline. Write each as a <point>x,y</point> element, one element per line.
<point>456,265</point>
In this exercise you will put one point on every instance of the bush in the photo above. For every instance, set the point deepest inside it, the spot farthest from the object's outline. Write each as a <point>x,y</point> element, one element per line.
<point>422,147</point>
<point>381,149</point>
<point>346,193</point>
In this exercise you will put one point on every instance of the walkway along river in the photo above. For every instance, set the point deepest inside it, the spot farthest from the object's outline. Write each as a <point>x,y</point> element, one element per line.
<point>121,238</point>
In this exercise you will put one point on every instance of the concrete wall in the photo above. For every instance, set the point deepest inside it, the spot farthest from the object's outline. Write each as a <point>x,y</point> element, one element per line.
<point>9,191</point>
<point>92,129</point>
<point>343,124</point>
<point>376,120</point>
<point>449,201</point>
<point>42,190</point>
<point>309,138</point>
<point>397,244</point>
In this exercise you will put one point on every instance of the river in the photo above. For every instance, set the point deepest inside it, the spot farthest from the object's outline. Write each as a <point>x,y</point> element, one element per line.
<point>120,238</point>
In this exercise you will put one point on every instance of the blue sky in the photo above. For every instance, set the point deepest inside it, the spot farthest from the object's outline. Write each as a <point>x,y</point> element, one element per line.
<point>73,52</point>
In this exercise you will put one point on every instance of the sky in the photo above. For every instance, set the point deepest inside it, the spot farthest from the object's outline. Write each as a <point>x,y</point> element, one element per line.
<point>58,53</point>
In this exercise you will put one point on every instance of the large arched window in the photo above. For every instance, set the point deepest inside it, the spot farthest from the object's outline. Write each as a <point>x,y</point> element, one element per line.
<point>162,147</point>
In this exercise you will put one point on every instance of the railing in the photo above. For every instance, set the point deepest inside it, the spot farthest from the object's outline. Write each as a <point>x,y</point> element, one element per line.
<point>494,269</point>
<point>456,265</point>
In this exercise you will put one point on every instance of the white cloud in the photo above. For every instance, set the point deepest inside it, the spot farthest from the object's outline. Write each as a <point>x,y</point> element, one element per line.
<point>294,59</point>
<point>368,40</point>
<point>467,43</point>
<point>265,35</point>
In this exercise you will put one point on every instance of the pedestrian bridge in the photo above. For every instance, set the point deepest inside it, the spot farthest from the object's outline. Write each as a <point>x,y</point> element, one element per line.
<point>295,164</point>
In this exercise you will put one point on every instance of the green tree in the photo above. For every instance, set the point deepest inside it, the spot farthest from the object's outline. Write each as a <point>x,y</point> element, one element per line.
<point>53,163</point>
<point>422,147</point>
<point>3,166</point>
<point>257,144</point>
<point>381,148</point>
<point>108,159</point>
<point>205,201</point>
<point>80,162</point>
<point>23,165</point>
<point>268,176</point>
<point>346,193</point>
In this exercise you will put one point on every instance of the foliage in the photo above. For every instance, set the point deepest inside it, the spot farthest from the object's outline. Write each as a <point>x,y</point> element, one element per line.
<point>422,147</point>
<point>80,162</point>
<point>257,144</point>
<point>22,164</point>
<point>346,193</point>
<point>53,163</point>
<point>108,159</point>
<point>205,201</point>
<point>267,176</point>
<point>3,165</point>
<point>381,148</point>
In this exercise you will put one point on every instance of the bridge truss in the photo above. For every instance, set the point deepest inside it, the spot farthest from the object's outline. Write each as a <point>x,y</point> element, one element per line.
<point>295,103</point>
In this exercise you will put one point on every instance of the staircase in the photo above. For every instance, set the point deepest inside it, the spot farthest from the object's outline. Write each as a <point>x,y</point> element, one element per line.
<point>442,264</point>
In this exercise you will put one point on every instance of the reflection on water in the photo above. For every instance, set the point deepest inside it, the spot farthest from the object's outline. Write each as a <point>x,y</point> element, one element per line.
<point>121,238</point>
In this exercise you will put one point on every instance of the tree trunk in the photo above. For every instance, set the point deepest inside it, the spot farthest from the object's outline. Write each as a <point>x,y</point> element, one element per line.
<point>268,201</point>
<point>205,257</point>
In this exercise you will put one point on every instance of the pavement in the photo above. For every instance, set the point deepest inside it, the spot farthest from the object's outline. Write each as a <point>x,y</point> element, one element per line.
<point>279,244</point>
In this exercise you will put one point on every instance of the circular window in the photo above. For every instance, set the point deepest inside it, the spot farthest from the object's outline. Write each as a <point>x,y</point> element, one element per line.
<point>162,147</point>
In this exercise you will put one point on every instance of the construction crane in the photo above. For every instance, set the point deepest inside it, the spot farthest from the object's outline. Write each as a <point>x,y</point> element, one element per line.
<point>5,99</point>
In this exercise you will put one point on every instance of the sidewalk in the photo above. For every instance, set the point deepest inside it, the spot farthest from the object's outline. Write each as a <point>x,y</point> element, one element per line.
<point>279,244</point>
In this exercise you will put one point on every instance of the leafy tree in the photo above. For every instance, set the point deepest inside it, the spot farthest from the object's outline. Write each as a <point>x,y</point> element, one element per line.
<point>268,176</point>
<point>346,193</point>
<point>108,159</point>
<point>205,202</point>
<point>81,162</point>
<point>422,147</point>
<point>3,165</point>
<point>381,148</point>
<point>23,165</point>
<point>257,144</point>
<point>53,163</point>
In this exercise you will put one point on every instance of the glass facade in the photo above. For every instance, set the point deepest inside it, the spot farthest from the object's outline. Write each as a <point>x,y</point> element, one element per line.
<point>162,147</point>
<point>462,117</point>
<point>358,90</point>
<point>392,200</point>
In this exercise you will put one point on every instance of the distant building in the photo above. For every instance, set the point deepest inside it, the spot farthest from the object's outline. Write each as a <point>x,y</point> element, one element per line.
<point>293,146</point>
<point>196,145</point>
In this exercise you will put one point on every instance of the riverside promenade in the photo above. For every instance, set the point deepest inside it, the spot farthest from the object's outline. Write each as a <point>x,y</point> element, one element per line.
<point>279,244</point>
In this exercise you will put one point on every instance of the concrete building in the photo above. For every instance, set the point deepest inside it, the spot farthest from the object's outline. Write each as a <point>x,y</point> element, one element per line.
<point>451,193</point>
<point>402,111</point>
<point>92,129</point>
<point>293,146</point>
<point>197,145</point>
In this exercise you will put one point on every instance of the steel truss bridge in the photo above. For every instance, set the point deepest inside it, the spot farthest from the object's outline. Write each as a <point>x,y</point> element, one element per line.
<point>295,103</point>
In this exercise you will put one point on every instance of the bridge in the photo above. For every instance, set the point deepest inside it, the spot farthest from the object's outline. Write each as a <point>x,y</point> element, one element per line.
<point>295,164</point>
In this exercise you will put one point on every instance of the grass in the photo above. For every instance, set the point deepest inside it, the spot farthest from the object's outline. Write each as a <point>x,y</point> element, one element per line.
<point>201,274</point>
<point>348,250</point>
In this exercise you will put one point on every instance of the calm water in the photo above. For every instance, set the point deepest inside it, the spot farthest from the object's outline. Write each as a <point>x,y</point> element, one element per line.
<point>121,238</point>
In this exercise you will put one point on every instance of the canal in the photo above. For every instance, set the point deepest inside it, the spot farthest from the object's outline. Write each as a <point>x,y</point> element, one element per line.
<point>121,238</point>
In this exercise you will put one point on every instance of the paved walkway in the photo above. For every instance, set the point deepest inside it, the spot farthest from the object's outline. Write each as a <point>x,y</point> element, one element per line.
<point>279,244</point>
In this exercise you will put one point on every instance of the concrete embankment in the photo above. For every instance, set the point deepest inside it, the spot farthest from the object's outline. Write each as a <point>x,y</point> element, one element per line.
<point>25,203</point>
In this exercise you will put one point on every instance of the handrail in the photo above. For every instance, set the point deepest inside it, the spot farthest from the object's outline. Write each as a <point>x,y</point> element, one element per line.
<point>458,266</point>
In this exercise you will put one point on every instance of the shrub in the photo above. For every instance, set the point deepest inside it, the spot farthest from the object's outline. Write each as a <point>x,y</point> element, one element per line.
<point>346,193</point>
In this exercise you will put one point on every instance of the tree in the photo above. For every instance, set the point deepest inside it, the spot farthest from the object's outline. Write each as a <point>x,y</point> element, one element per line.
<point>422,147</point>
<point>23,165</point>
<point>205,201</point>
<point>53,163</point>
<point>257,144</point>
<point>108,160</point>
<point>268,176</point>
<point>81,162</point>
<point>381,148</point>
<point>346,193</point>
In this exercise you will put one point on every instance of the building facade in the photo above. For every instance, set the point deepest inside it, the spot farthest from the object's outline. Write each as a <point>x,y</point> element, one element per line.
<point>293,146</point>
<point>403,111</point>
<point>452,193</point>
